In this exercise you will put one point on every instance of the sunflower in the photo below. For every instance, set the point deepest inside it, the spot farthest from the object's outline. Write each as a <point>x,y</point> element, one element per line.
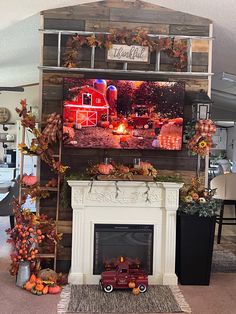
<point>202,144</point>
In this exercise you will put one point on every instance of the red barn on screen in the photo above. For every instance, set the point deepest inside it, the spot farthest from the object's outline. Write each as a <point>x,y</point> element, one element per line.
<point>88,107</point>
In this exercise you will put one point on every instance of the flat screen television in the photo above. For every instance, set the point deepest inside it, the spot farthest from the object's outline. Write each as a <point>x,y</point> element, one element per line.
<point>123,114</point>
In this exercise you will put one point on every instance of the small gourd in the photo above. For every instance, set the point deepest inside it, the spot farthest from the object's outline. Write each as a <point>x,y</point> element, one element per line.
<point>135,291</point>
<point>45,290</point>
<point>39,281</point>
<point>29,285</point>
<point>39,287</point>
<point>124,169</point>
<point>131,284</point>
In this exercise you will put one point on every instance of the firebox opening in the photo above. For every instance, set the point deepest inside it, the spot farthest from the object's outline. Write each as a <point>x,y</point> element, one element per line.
<point>131,241</point>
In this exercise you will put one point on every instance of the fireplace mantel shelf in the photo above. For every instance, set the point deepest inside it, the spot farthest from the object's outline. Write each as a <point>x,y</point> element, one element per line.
<point>124,202</point>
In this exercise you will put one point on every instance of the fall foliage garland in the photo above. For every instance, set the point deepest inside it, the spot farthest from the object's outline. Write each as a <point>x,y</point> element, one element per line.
<point>174,48</point>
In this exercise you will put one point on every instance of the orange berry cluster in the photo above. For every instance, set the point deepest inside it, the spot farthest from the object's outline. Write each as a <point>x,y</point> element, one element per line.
<point>26,239</point>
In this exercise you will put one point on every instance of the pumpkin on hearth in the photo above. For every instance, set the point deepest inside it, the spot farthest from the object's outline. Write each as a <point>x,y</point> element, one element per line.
<point>135,291</point>
<point>131,284</point>
<point>29,180</point>
<point>39,287</point>
<point>105,169</point>
<point>45,290</point>
<point>33,278</point>
<point>29,285</point>
<point>47,274</point>
<point>54,289</point>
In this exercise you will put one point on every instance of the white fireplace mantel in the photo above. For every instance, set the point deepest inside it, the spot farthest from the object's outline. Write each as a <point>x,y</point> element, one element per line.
<point>124,202</point>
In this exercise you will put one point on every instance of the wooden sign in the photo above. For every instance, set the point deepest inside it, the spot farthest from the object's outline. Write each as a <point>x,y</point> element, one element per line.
<point>125,53</point>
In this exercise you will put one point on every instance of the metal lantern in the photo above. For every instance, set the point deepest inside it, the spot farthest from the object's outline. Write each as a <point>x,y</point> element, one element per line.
<point>201,105</point>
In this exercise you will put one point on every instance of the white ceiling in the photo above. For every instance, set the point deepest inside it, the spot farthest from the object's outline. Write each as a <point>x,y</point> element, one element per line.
<point>19,36</point>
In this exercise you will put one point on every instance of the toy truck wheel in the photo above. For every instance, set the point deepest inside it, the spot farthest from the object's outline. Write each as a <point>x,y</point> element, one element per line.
<point>142,288</point>
<point>108,288</point>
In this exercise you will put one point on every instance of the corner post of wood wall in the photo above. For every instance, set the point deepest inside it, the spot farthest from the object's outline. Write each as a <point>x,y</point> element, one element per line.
<point>209,94</point>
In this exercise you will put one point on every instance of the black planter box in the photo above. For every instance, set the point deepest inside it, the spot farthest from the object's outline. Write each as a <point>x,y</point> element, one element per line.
<point>194,247</point>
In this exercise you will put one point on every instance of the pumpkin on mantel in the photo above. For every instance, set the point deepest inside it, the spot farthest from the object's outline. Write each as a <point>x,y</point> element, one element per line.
<point>29,180</point>
<point>105,169</point>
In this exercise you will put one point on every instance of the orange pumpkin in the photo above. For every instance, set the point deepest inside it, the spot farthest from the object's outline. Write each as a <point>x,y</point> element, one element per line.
<point>45,290</point>
<point>145,165</point>
<point>29,180</point>
<point>123,169</point>
<point>29,285</point>
<point>131,284</point>
<point>39,281</point>
<point>105,169</point>
<point>39,287</point>
<point>54,289</point>
<point>135,291</point>
<point>33,278</point>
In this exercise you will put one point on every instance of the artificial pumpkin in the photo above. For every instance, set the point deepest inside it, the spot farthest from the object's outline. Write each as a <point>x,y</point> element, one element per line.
<point>105,169</point>
<point>39,281</point>
<point>39,287</point>
<point>29,180</point>
<point>145,165</point>
<point>135,291</point>
<point>47,274</point>
<point>54,289</point>
<point>123,169</point>
<point>45,290</point>
<point>131,284</point>
<point>29,285</point>
<point>33,278</point>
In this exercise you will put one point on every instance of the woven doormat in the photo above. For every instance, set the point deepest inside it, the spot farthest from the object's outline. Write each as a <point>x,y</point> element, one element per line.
<point>223,262</point>
<point>90,299</point>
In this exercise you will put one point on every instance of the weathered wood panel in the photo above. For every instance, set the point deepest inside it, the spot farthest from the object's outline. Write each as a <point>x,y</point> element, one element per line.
<point>104,26</point>
<point>64,24</point>
<point>199,45</point>
<point>79,12</point>
<point>200,58</point>
<point>189,30</point>
<point>64,226</point>
<point>53,92</point>
<point>154,16</point>
<point>64,254</point>
<point>51,106</point>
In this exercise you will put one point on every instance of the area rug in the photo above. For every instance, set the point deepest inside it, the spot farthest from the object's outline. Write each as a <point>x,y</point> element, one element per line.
<point>91,299</point>
<point>223,261</point>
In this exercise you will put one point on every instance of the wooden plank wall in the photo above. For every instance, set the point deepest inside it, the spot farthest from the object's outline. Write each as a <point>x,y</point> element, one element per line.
<point>101,16</point>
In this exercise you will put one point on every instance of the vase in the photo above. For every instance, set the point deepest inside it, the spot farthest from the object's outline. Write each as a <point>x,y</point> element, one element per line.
<point>194,248</point>
<point>23,274</point>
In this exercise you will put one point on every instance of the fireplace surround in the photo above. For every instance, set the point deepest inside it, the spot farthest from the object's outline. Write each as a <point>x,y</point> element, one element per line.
<point>124,203</point>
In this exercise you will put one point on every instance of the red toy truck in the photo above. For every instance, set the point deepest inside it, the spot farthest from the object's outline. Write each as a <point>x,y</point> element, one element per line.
<point>124,277</point>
